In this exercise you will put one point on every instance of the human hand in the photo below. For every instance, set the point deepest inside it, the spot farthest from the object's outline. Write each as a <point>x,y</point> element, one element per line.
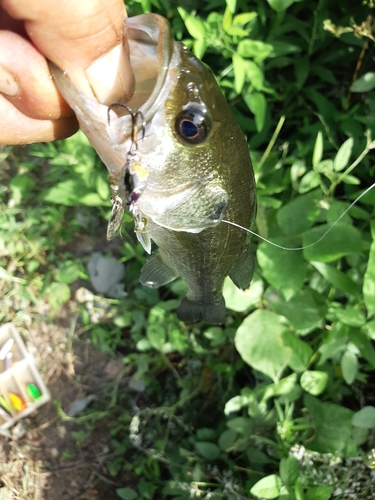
<point>84,38</point>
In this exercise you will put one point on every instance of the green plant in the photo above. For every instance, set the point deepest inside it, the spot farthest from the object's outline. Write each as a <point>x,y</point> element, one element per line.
<point>276,403</point>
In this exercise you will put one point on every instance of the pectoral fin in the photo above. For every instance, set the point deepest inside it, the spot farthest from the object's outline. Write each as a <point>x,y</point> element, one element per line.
<point>243,271</point>
<point>156,272</point>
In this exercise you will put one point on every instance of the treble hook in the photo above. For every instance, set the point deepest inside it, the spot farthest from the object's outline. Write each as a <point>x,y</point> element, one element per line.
<point>134,117</point>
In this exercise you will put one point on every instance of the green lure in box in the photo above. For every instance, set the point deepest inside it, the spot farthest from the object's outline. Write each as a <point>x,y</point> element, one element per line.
<point>33,391</point>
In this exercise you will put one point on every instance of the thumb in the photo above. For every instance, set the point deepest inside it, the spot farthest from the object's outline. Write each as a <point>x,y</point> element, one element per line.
<point>86,39</point>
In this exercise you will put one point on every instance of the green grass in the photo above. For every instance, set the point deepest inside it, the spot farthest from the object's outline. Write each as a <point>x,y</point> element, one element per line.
<point>277,403</point>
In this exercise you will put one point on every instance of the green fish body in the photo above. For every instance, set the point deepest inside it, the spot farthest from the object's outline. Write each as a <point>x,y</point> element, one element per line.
<point>190,168</point>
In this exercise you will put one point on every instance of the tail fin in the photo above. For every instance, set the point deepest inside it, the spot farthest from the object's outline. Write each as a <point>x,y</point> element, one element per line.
<point>193,312</point>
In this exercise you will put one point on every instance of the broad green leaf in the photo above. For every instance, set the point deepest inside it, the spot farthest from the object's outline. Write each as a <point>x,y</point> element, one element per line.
<point>69,272</point>
<point>314,382</point>
<point>309,181</point>
<point>289,470</point>
<point>208,450</point>
<point>227,439</point>
<point>350,316</point>
<point>301,352</point>
<point>254,74</point>
<point>256,456</point>
<point>90,200</point>
<point>235,404</point>
<point>236,31</point>
<point>280,5</point>
<point>285,387</point>
<point>337,278</point>
<point>364,345</point>
<point>127,493</point>
<point>244,18</point>
<point>306,206</point>
<point>349,367</point>
<point>102,188</point>
<point>364,83</point>
<point>335,210</point>
<point>332,426</point>
<point>285,271</point>
<point>267,488</point>
<point>365,417</point>
<point>178,340</point>
<point>259,343</point>
<point>319,492</point>
<point>156,330</point>
<point>325,247</point>
<point>318,149</point>
<point>302,70</point>
<point>199,47</point>
<point>239,72</point>
<point>301,311</point>
<point>286,493</point>
<point>324,167</point>
<point>21,186</point>
<point>325,106</point>
<point>350,179</point>
<point>241,425</point>
<point>71,193</point>
<point>231,5</point>
<point>194,25</point>
<point>205,434</point>
<point>280,49</point>
<point>257,104</point>
<point>242,300</point>
<point>58,294</point>
<point>254,49</point>
<point>146,6</point>
<point>369,328</point>
<point>227,20</point>
<point>216,335</point>
<point>343,155</point>
<point>369,279</point>
<point>296,172</point>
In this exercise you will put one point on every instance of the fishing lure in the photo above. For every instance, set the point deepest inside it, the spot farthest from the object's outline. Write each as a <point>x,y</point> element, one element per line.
<point>33,392</point>
<point>4,404</point>
<point>121,186</point>
<point>17,402</point>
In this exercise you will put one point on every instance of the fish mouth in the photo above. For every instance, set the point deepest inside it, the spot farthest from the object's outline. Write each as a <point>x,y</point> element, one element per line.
<point>151,48</point>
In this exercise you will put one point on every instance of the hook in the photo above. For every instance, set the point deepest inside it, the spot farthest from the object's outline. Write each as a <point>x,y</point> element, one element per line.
<point>134,117</point>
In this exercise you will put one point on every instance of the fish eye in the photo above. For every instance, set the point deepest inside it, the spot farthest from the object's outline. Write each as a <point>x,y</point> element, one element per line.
<point>191,126</point>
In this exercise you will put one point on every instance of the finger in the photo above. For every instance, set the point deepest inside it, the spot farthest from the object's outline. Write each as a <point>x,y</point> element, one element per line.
<point>16,128</point>
<point>75,34</point>
<point>26,82</point>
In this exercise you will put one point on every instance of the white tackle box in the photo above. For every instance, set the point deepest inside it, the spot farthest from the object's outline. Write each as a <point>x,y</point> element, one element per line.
<point>22,389</point>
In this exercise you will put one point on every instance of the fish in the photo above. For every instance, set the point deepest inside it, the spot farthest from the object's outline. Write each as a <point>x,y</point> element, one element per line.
<point>179,161</point>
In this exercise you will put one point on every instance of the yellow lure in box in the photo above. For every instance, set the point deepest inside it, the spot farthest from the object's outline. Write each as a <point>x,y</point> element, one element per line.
<point>17,402</point>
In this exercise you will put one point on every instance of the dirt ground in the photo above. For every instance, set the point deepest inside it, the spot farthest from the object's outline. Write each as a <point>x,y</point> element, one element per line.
<point>42,461</point>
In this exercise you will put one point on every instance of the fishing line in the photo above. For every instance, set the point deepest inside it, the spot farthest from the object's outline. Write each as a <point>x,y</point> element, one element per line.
<point>311,244</point>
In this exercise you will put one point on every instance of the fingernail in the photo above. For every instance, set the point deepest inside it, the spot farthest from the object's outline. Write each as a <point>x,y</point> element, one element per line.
<point>8,84</point>
<point>111,77</point>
